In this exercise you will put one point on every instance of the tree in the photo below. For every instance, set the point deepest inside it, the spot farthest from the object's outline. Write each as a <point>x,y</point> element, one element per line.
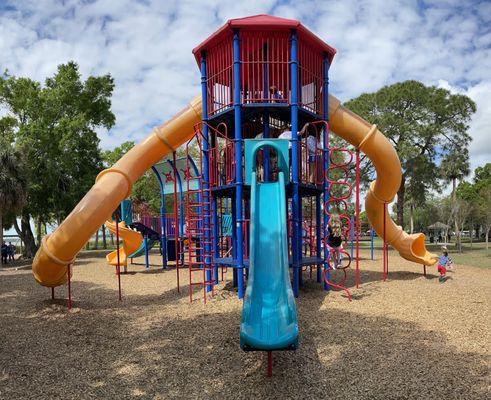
<point>110,157</point>
<point>479,193</point>
<point>455,166</point>
<point>12,183</point>
<point>55,130</point>
<point>422,122</point>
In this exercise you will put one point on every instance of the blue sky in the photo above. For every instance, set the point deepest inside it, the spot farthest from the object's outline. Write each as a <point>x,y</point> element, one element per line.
<point>146,46</point>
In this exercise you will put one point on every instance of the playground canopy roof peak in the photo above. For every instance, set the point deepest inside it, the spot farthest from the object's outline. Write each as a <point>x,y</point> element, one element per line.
<point>264,22</point>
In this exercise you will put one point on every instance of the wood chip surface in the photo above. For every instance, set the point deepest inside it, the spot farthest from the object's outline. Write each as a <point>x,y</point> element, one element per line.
<point>407,338</point>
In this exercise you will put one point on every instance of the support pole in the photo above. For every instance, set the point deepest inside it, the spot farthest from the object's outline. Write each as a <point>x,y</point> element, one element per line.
<point>118,266</point>
<point>296,241</point>
<point>69,272</point>
<point>318,239</point>
<point>352,236</point>
<point>265,114</point>
<point>238,165</point>
<point>176,220</point>
<point>325,155</point>
<point>357,217</point>
<point>384,274</point>
<point>269,373</point>
<point>52,293</point>
<point>145,246</point>
<point>371,243</point>
<point>206,210</point>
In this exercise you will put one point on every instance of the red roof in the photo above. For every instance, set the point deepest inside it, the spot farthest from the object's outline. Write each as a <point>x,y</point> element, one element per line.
<point>264,22</point>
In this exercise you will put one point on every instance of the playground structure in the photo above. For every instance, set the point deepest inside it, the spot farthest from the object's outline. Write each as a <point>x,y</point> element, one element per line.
<point>266,75</point>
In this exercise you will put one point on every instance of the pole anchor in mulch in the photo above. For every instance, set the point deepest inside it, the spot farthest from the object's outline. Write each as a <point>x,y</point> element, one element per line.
<point>269,372</point>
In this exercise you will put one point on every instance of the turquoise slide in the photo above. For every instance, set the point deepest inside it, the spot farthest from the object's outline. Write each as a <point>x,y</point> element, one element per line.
<point>269,316</point>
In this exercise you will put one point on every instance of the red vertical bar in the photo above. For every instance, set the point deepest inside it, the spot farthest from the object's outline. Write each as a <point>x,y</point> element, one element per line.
<point>383,246</point>
<point>269,372</point>
<point>118,266</point>
<point>357,216</point>
<point>176,221</point>
<point>52,293</point>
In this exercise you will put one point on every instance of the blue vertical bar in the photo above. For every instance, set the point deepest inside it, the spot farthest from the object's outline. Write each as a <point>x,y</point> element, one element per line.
<point>163,239</point>
<point>325,153</point>
<point>371,243</point>
<point>145,244</point>
<point>318,251</point>
<point>206,172</point>
<point>238,166</point>
<point>296,241</point>
<point>265,113</point>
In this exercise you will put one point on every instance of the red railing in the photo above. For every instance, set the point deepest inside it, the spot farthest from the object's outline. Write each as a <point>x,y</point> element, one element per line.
<point>219,72</point>
<point>310,79</point>
<point>265,64</point>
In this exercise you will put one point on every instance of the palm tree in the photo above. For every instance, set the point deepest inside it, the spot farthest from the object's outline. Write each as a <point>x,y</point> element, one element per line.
<point>12,184</point>
<point>455,166</point>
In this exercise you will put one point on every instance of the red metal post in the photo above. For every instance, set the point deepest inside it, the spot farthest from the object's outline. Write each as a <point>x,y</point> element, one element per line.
<point>384,273</point>
<point>269,373</point>
<point>69,287</point>
<point>357,216</point>
<point>176,220</point>
<point>118,266</point>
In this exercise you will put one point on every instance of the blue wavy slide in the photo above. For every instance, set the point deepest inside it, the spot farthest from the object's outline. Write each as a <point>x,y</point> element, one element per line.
<point>269,316</point>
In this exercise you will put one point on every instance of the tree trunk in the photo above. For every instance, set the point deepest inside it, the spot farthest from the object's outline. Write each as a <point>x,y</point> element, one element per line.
<point>26,235</point>
<point>400,202</point>
<point>38,231</point>
<point>411,219</point>
<point>1,238</point>
<point>458,242</point>
<point>471,232</point>
<point>97,240</point>
<point>104,241</point>
<point>487,238</point>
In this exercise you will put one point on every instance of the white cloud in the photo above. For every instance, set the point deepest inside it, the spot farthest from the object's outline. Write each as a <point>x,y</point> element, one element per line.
<point>146,46</point>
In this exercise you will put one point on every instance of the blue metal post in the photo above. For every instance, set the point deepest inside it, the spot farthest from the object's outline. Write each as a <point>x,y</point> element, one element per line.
<point>163,238</point>
<point>145,244</point>
<point>180,210</point>
<point>206,173</point>
<point>238,165</point>
<point>325,154</point>
<point>265,114</point>
<point>352,236</point>
<point>371,243</point>
<point>296,241</point>
<point>318,251</point>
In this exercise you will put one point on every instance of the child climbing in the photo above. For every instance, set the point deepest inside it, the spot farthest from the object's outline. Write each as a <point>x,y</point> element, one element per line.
<point>334,239</point>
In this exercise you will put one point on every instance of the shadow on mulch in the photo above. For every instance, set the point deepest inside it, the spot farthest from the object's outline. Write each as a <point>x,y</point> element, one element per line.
<point>137,348</point>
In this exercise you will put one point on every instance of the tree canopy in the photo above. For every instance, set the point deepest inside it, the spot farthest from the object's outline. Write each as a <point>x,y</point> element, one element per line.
<point>53,125</point>
<point>427,125</point>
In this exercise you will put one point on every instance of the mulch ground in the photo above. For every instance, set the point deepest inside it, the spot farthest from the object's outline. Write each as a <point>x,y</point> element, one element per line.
<point>407,338</point>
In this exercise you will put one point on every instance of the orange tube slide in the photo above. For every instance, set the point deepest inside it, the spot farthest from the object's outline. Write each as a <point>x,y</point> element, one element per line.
<point>114,184</point>
<point>132,240</point>
<point>377,147</point>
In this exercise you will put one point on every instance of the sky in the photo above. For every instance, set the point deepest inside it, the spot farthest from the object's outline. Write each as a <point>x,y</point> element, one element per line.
<point>146,46</point>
